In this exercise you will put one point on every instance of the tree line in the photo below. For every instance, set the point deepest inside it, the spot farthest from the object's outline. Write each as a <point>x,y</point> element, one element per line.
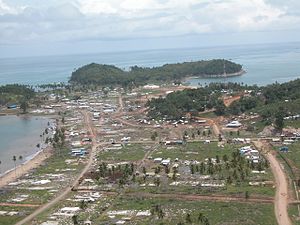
<point>111,75</point>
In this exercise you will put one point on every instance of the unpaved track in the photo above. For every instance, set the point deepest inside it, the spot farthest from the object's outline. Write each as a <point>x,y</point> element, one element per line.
<point>19,205</point>
<point>281,197</point>
<point>215,198</point>
<point>65,193</point>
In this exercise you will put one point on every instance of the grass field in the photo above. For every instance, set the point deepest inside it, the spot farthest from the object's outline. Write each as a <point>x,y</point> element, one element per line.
<point>175,211</point>
<point>292,123</point>
<point>294,215</point>
<point>293,157</point>
<point>132,152</point>
<point>194,151</point>
<point>10,220</point>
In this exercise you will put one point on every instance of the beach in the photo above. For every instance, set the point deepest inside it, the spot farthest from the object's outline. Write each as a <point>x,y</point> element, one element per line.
<point>26,167</point>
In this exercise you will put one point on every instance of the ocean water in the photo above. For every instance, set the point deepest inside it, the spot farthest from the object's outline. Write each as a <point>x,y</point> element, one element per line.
<point>264,63</point>
<point>19,136</point>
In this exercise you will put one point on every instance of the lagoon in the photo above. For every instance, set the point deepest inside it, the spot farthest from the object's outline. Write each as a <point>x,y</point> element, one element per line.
<point>19,136</point>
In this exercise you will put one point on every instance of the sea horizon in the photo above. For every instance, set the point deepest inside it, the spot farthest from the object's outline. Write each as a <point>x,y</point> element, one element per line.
<point>259,60</point>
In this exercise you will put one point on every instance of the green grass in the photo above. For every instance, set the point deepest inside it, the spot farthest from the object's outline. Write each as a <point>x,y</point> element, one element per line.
<point>194,151</point>
<point>292,123</point>
<point>294,215</point>
<point>10,220</point>
<point>176,210</point>
<point>132,152</point>
<point>293,156</point>
<point>56,161</point>
<point>208,115</point>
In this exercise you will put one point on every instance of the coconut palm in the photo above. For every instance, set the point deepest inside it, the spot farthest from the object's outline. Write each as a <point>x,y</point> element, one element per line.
<point>21,159</point>
<point>201,217</point>
<point>15,159</point>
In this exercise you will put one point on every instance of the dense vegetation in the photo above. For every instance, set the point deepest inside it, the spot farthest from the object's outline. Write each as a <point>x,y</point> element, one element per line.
<point>274,101</point>
<point>112,75</point>
<point>15,93</point>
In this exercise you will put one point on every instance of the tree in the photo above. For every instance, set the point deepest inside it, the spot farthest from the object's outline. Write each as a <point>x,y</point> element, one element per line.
<point>157,181</point>
<point>279,119</point>
<point>202,167</point>
<point>193,135</point>
<point>153,137</point>
<point>209,132</point>
<point>206,222</point>
<point>220,108</point>
<point>225,158</point>
<point>21,159</point>
<point>75,219</point>
<point>82,204</point>
<point>24,105</point>
<point>188,218</point>
<point>201,217</point>
<point>220,138</point>
<point>15,159</point>
<point>247,195</point>
<point>144,170</point>
<point>192,168</point>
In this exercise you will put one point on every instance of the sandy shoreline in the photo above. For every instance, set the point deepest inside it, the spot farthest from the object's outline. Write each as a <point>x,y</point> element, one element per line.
<point>240,73</point>
<point>23,169</point>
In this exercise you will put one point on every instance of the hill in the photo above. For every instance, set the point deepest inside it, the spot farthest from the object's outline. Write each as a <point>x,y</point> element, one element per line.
<point>111,75</point>
<point>268,101</point>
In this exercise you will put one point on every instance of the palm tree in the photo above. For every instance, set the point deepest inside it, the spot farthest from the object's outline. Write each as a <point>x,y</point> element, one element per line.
<point>75,219</point>
<point>201,217</point>
<point>21,159</point>
<point>188,218</point>
<point>15,159</point>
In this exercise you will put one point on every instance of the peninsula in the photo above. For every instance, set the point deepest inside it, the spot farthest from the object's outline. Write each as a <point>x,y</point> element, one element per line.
<point>102,74</point>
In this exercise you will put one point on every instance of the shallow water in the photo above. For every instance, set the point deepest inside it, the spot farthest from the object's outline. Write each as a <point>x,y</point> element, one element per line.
<point>19,136</point>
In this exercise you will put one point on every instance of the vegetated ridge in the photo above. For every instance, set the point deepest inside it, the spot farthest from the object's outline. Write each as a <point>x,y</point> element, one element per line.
<point>271,101</point>
<point>111,75</point>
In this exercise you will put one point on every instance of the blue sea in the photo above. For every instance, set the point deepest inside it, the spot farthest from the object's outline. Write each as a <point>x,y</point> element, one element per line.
<point>264,63</point>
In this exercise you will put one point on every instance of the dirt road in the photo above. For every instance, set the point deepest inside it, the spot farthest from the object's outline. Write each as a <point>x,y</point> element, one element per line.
<point>188,197</point>
<point>65,192</point>
<point>281,197</point>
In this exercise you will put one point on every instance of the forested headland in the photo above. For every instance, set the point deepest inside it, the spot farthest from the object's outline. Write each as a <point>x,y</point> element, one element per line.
<point>111,75</point>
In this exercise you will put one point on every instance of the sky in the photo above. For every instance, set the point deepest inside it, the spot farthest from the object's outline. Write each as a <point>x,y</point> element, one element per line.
<point>39,27</point>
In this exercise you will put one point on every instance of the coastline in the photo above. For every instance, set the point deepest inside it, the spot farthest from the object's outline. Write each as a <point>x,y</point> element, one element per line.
<point>33,162</point>
<point>239,73</point>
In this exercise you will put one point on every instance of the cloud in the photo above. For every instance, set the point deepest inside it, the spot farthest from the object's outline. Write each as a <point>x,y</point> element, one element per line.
<point>68,20</point>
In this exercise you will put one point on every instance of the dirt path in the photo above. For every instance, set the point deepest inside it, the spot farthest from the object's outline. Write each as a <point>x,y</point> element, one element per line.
<point>281,197</point>
<point>218,198</point>
<point>65,192</point>
<point>19,205</point>
<point>229,100</point>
